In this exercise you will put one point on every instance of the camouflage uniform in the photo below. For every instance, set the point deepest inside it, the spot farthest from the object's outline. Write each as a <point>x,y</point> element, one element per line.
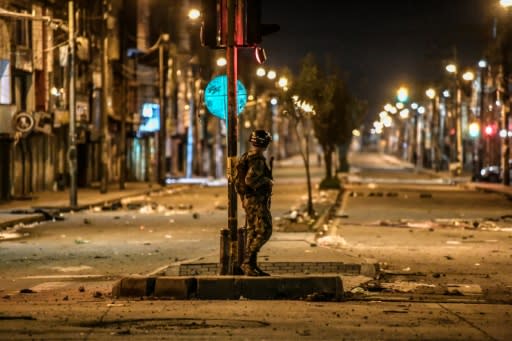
<point>256,203</point>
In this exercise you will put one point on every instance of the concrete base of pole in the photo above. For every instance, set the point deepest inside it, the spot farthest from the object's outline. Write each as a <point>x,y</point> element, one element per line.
<point>231,287</point>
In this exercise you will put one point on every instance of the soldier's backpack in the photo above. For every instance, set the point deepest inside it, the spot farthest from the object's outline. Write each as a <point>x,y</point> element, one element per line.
<point>242,166</point>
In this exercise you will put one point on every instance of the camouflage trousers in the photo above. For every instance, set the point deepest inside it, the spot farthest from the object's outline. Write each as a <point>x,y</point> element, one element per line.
<point>259,222</point>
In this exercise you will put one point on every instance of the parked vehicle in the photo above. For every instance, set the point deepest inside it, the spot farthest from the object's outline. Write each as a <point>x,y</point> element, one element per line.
<point>493,173</point>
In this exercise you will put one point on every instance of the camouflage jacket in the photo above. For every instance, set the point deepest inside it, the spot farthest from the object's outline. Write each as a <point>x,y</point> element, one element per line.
<point>259,175</point>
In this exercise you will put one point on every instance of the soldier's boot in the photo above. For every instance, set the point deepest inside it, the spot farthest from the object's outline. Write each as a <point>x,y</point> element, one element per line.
<point>248,267</point>
<point>253,259</point>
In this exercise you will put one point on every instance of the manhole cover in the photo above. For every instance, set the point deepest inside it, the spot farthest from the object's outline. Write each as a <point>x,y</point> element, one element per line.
<point>182,323</point>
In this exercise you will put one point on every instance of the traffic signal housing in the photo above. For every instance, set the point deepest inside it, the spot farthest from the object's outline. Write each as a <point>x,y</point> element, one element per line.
<point>254,29</point>
<point>249,29</point>
<point>214,24</point>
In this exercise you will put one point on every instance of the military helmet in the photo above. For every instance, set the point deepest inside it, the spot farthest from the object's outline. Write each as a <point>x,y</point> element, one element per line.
<point>260,138</point>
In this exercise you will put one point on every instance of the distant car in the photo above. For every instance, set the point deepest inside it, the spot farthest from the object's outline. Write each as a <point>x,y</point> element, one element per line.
<point>493,173</point>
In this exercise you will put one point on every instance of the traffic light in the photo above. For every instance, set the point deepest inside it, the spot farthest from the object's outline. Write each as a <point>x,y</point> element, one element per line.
<point>214,25</point>
<point>254,29</point>
<point>250,30</point>
<point>489,130</point>
<point>474,130</point>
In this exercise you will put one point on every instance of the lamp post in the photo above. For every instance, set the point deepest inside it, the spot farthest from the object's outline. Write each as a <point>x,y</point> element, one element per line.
<point>479,119</point>
<point>162,85</point>
<point>402,96</point>
<point>72,156</point>
<point>467,76</point>
<point>452,69</point>
<point>434,129</point>
<point>505,113</point>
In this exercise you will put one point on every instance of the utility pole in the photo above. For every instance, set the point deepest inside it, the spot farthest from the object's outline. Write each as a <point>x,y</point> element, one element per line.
<point>125,107</point>
<point>104,102</point>
<point>72,154</point>
<point>232,69</point>
<point>191,124</point>
<point>505,112</point>
<point>478,150</point>
<point>434,129</point>
<point>162,84</point>
<point>458,127</point>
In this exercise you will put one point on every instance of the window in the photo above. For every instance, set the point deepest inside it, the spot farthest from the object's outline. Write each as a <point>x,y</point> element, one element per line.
<point>5,82</point>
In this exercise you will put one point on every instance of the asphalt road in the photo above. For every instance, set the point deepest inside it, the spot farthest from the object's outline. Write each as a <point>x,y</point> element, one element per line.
<point>445,254</point>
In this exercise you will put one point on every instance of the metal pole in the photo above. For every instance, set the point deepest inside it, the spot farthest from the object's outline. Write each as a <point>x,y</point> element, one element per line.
<point>458,113</point>
<point>104,103</point>
<point>480,120</point>
<point>191,124</point>
<point>72,109</point>
<point>231,57</point>
<point>505,113</point>
<point>434,140</point>
<point>162,61</point>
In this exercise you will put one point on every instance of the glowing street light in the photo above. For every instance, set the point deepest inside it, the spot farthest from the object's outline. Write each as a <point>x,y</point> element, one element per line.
<point>404,113</point>
<point>468,76</point>
<point>431,93</point>
<point>451,68</point>
<point>194,14</point>
<point>271,75</point>
<point>474,130</point>
<point>506,3</point>
<point>402,94</point>
<point>260,72</point>
<point>282,82</point>
<point>221,62</point>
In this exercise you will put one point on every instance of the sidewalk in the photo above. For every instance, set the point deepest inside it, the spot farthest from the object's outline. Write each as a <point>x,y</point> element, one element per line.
<point>464,179</point>
<point>42,204</point>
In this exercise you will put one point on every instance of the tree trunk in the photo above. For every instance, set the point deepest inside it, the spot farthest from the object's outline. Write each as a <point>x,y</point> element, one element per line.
<point>328,161</point>
<point>304,152</point>
<point>342,157</point>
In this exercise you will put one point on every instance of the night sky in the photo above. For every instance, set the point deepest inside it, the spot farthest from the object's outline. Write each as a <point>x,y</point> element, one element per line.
<point>380,44</point>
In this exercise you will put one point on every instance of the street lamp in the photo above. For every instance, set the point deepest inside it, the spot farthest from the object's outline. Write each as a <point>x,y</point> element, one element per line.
<point>283,83</point>
<point>402,94</point>
<point>221,62</point>
<point>506,3</point>
<point>194,14</point>
<point>452,69</point>
<point>434,129</point>
<point>260,72</point>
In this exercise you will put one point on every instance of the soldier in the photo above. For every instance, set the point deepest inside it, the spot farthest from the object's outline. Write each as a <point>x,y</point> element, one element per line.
<point>256,200</point>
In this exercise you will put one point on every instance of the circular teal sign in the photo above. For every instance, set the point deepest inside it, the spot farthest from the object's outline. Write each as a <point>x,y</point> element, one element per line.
<point>216,97</point>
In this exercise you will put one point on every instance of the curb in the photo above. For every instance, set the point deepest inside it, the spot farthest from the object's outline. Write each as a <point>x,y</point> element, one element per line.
<point>231,287</point>
<point>289,268</point>
<point>329,213</point>
<point>29,219</point>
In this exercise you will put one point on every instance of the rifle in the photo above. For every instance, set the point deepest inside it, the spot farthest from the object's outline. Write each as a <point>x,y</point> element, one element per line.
<point>271,166</point>
<point>271,162</point>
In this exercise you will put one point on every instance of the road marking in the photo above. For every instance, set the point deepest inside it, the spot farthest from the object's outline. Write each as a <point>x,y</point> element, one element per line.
<point>50,286</point>
<point>66,276</point>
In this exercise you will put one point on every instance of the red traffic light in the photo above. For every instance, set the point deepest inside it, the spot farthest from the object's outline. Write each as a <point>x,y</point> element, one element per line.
<point>489,130</point>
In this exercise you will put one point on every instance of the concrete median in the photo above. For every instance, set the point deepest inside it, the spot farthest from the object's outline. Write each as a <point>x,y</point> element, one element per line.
<point>231,287</point>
